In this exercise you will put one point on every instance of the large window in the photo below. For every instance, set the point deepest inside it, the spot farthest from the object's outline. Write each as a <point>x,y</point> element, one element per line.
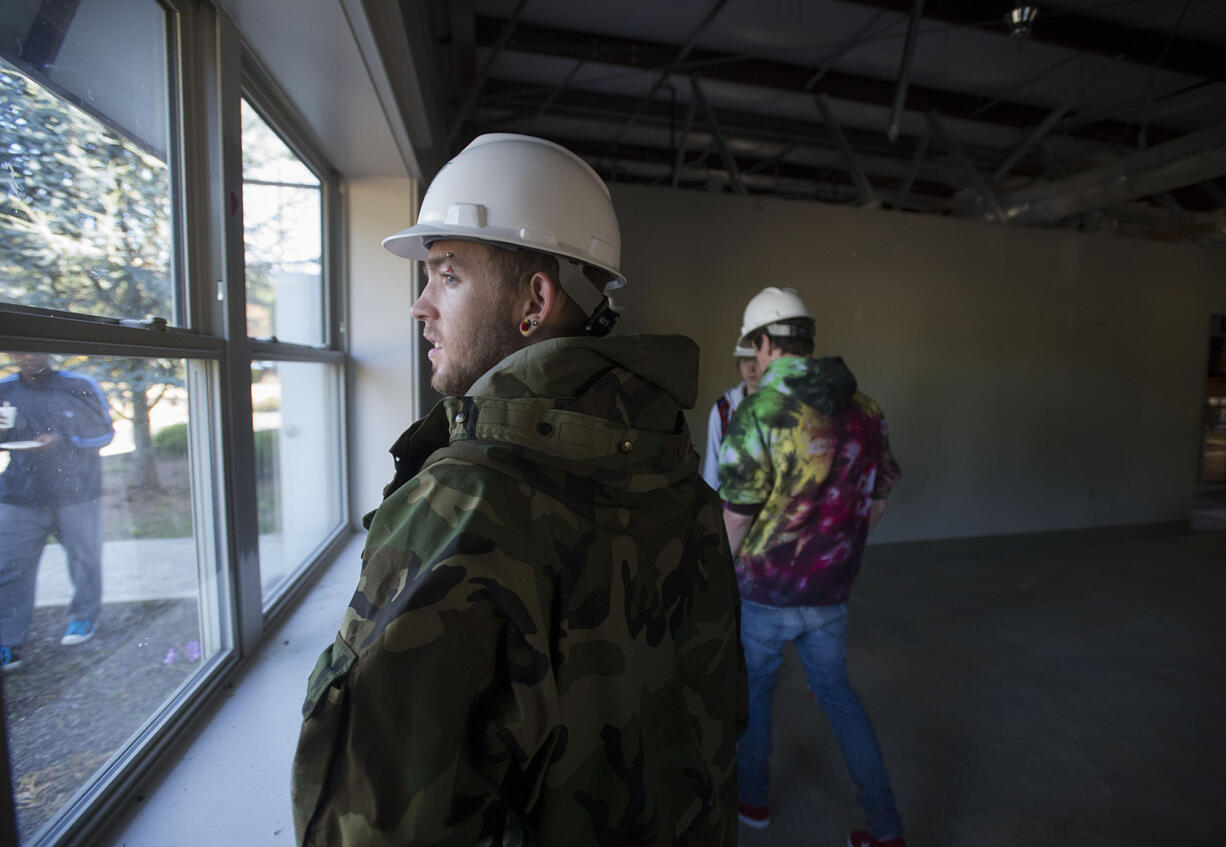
<point>156,505</point>
<point>295,389</point>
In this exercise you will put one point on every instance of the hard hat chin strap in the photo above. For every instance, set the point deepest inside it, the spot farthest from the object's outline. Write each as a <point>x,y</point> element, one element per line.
<point>595,303</point>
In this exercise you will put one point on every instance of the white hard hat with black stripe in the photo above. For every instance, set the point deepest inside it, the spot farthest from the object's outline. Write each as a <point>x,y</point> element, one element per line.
<point>769,307</point>
<point>517,191</point>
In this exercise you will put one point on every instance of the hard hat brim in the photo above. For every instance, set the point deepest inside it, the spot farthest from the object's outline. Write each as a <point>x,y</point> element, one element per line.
<point>414,243</point>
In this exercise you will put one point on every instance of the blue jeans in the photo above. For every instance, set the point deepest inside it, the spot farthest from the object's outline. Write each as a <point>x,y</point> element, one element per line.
<point>23,533</point>
<point>820,635</point>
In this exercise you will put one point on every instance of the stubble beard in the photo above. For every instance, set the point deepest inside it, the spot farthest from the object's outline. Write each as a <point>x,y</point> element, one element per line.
<point>467,361</point>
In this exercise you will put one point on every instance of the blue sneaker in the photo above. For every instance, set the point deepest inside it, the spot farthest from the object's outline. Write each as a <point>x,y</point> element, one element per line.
<point>9,660</point>
<point>78,632</point>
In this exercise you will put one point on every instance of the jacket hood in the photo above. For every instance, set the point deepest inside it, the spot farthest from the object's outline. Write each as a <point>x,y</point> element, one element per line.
<point>563,367</point>
<point>824,383</point>
<point>604,409</point>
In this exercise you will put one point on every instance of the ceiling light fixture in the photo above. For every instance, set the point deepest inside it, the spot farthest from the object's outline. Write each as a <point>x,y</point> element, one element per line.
<point>1021,20</point>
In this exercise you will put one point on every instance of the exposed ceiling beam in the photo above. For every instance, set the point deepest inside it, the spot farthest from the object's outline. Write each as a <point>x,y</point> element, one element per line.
<point>1081,33</point>
<point>813,164</point>
<point>672,64</point>
<point>867,195</point>
<point>904,68</point>
<point>721,143</point>
<point>1032,138</point>
<point>825,63</point>
<point>650,56</point>
<point>474,90</point>
<point>917,160</point>
<point>981,185</point>
<point>684,143</point>
<point>460,18</point>
<point>642,164</point>
<point>876,155</point>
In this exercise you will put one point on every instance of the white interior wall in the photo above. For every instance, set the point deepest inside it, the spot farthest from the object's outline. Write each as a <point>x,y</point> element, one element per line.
<point>381,335</point>
<point>1033,379</point>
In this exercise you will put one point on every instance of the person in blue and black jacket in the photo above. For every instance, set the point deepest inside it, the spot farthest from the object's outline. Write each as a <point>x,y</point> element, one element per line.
<point>52,424</point>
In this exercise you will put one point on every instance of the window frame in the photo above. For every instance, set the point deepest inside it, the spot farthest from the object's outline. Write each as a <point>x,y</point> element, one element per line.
<point>257,88</point>
<point>209,70</point>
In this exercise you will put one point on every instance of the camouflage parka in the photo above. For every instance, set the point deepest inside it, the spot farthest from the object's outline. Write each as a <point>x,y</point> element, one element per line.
<point>543,647</point>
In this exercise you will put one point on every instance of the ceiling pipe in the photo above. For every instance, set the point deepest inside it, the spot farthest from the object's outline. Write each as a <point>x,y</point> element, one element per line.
<point>904,68</point>
<point>1191,159</point>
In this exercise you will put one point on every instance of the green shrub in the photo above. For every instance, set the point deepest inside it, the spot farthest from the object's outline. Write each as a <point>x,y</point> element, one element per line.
<point>171,441</point>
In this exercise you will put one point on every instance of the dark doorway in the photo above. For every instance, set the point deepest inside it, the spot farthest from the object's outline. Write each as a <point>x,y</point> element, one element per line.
<point>1209,510</point>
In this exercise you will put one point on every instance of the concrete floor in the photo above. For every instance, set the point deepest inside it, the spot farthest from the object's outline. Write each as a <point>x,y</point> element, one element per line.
<point>1050,691</point>
<point>1053,690</point>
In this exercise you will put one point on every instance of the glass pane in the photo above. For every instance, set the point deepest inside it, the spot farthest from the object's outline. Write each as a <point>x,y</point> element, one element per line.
<point>284,237</point>
<point>108,599</point>
<point>86,214</point>
<point>296,417</point>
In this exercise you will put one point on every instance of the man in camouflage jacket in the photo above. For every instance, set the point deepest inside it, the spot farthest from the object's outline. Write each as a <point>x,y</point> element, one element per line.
<point>542,648</point>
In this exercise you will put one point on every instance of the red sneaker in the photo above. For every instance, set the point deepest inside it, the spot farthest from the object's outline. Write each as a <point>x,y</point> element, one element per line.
<point>860,838</point>
<point>758,817</point>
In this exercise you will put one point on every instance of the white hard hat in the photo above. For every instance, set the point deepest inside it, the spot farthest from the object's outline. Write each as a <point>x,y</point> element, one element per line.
<point>744,351</point>
<point>771,305</point>
<point>520,191</point>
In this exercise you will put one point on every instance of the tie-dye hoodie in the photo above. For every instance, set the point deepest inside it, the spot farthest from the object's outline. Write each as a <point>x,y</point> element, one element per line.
<point>807,454</point>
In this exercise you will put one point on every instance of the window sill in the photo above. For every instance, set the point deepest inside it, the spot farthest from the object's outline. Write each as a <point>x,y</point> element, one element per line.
<point>231,780</point>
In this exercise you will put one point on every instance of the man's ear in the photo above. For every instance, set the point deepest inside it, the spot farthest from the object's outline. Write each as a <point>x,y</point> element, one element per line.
<point>542,298</point>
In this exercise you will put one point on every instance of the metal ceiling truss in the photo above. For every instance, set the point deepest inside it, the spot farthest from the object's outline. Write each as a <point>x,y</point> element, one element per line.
<point>669,68</point>
<point>904,68</point>
<point>778,76</point>
<point>508,105</point>
<point>867,195</point>
<point>725,154</point>
<point>796,157</point>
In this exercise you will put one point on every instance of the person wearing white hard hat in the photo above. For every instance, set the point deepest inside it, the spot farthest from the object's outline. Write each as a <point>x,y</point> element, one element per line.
<point>805,469</point>
<point>542,648</point>
<point>722,409</point>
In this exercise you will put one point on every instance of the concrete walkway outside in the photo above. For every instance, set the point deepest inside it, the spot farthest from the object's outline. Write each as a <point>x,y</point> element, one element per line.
<point>134,570</point>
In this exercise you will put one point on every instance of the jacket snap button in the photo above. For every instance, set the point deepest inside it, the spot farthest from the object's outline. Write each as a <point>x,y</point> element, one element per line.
<point>544,428</point>
<point>460,417</point>
<point>624,446</point>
